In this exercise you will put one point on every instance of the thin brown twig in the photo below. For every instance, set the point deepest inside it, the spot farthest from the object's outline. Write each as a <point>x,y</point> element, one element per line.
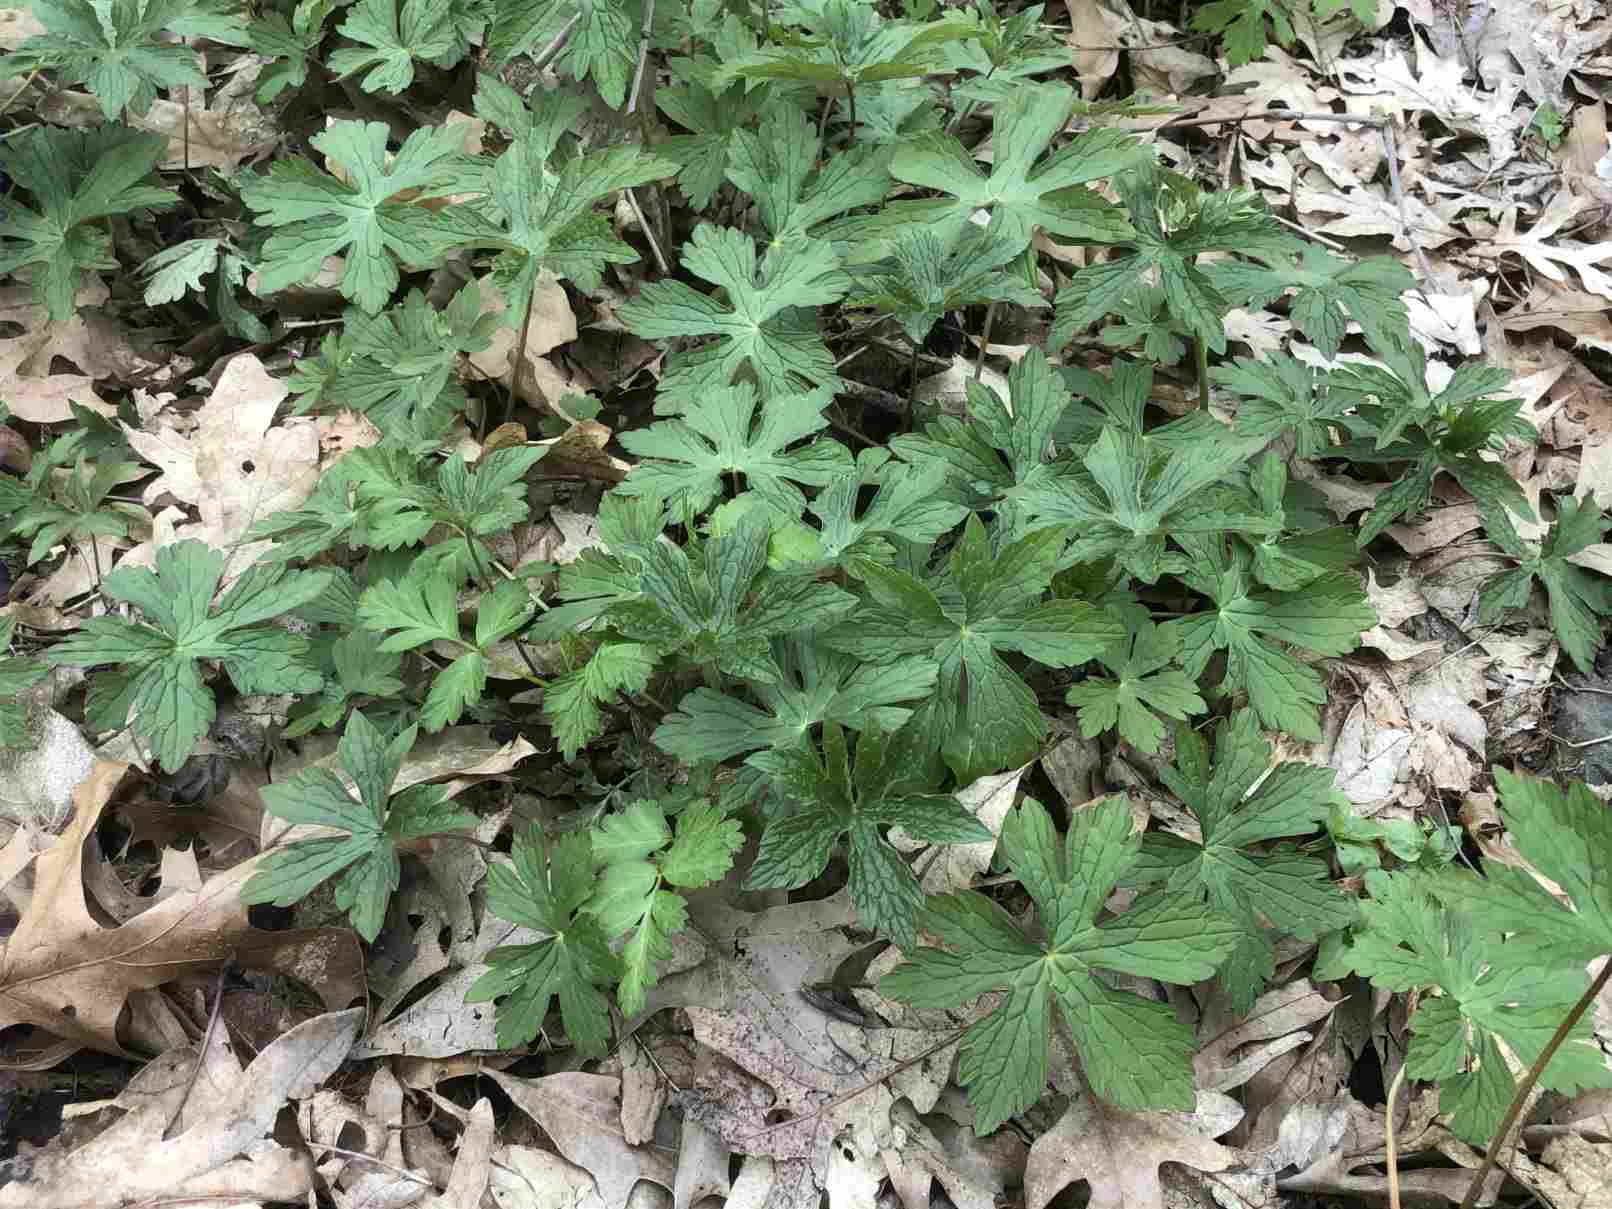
<point>1274,115</point>
<point>206,1043</point>
<point>1492,1154</point>
<point>1390,1142</point>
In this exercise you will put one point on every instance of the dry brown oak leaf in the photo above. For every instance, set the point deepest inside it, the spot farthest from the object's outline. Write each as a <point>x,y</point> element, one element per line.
<point>65,974</point>
<point>219,1151</point>
<point>1118,1154</point>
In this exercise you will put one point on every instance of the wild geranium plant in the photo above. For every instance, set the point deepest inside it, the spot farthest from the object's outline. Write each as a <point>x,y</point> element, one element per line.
<point>805,615</point>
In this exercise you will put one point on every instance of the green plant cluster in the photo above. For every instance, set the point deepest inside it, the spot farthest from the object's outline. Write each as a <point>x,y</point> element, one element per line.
<point>788,629</point>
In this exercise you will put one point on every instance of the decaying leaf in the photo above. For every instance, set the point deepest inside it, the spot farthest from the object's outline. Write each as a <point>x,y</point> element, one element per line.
<point>68,976</point>
<point>226,1115</point>
<point>1118,1154</point>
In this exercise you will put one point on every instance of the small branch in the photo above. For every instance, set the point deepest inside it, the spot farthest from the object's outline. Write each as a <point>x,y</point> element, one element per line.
<point>1276,115</point>
<point>1391,150</point>
<point>643,57</point>
<point>1389,1139</point>
<point>206,1042</point>
<point>643,224</point>
<point>1525,1088</point>
<point>552,51</point>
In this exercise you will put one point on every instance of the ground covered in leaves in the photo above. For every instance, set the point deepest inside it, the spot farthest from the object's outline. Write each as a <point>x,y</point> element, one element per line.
<point>642,899</point>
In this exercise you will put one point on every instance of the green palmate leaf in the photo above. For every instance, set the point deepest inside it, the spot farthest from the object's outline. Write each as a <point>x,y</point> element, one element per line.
<point>1492,992</point>
<point>1255,627</point>
<point>545,210</point>
<point>1293,551</point>
<point>1174,222</point>
<point>1329,292</point>
<point>399,509</point>
<point>997,459</point>
<point>908,504</point>
<point>394,35</point>
<point>371,214</point>
<point>1133,499</point>
<point>983,716</point>
<point>72,505</point>
<point>849,44</point>
<point>724,434</point>
<point>1400,419</point>
<point>572,702</point>
<point>761,328</point>
<point>1242,803</point>
<point>817,685</point>
<point>1280,394</point>
<point>158,661</point>
<point>778,166</point>
<point>1020,194</point>
<point>602,46</point>
<point>639,858</point>
<point>1566,835</point>
<point>77,178</point>
<point>399,367</point>
<point>886,785</point>
<point>363,860</point>
<point>1143,682</point>
<point>712,606</point>
<point>422,608</point>
<point>1578,598</point>
<point>289,43</point>
<point>926,276</point>
<point>713,118</point>
<point>1135,1053</point>
<point>116,48</point>
<point>570,962</point>
<point>357,668</point>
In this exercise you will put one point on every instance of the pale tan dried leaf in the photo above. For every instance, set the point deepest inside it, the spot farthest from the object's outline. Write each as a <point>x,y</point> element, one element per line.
<point>65,974</point>
<point>37,780</point>
<point>237,466</point>
<point>17,25</point>
<point>27,385</point>
<point>1546,254</point>
<point>524,1178</point>
<point>1437,85</point>
<point>472,1167</point>
<point>702,1166</point>
<point>955,866</point>
<point>223,134</point>
<point>130,1162</point>
<point>1118,1154</point>
<point>581,1114</point>
<point>1094,23</point>
<point>1278,1022</point>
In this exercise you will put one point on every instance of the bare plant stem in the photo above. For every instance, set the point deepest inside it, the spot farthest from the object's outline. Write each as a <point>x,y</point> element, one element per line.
<point>487,586</point>
<point>552,51</point>
<point>1201,354</point>
<point>1388,1136</point>
<point>649,233</point>
<point>1491,1156</point>
<point>985,341</point>
<point>643,57</point>
<point>520,356</point>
